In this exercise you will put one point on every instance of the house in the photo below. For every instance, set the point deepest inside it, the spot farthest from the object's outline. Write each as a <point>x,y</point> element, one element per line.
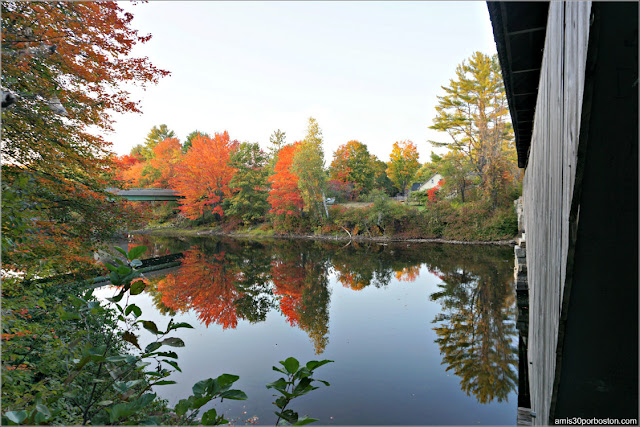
<point>427,185</point>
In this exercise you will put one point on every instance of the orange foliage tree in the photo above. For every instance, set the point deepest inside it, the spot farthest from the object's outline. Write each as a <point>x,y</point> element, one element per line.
<point>168,154</point>
<point>203,176</point>
<point>285,197</point>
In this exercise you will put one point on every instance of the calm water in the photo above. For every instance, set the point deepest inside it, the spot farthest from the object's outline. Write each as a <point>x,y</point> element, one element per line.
<point>420,333</point>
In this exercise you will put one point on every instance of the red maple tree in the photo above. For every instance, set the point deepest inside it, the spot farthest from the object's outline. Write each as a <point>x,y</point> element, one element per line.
<point>285,197</point>
<point>203,175</point>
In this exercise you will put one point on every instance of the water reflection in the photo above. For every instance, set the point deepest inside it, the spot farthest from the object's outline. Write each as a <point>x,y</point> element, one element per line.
<point>226,280</point>
<point>475,328</point>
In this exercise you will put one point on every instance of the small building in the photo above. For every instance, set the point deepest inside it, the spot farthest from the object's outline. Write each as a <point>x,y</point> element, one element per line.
<point>427,185</point>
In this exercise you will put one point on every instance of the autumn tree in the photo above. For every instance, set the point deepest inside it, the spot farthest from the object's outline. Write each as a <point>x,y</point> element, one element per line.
<point>474,113</point>
<point>285,197</point>
<point>308,165</point>
<point>162,167</point>
<point>204,174</point>
<point>155,136</point>
<point>63,69</point>
<point>381,180</point>
<point>457,172</point>
<point>352,163</point>
<point>403,164</point>
<point>249,183</point>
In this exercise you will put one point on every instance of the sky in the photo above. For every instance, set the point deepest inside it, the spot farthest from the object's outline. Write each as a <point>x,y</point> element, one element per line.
<point>369,71</point>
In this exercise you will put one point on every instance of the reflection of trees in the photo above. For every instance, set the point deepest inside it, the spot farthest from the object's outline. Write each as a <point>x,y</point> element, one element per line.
<point>158,245</point>
<point>221,286</point>
<point>300,279</point>
<point>359,266</point>
<point>476,328</point>
<point>205,284</point>
<point>408,274</point>
<point>156,296</point>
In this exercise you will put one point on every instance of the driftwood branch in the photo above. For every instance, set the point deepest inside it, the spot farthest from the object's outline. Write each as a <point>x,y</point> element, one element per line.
<point>350,236</point>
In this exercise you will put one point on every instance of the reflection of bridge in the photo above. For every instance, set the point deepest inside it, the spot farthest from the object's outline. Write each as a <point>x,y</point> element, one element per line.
<point>147,194</point>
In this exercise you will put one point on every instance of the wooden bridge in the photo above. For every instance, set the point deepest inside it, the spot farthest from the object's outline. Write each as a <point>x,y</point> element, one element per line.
<point>147,194</point>
<point>571,78</point>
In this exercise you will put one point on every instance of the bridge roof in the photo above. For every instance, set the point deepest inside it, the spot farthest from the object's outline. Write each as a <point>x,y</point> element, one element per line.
<point>519,29</point>
<point>147,194</point>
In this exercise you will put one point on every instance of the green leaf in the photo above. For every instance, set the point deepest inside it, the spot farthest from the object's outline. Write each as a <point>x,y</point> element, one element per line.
<point>182,407</point>
<point>303,373</point>
<point>280,384</point>
<point>281,402</point>
<point>174,364</point>
<point>291,365</point>
<point>288,415</point>
<point>115,278</point>
<point>123,271</point>
<point>209,418</point>
<point>137,311</point>
<point>136,252</point>
<point>16,416</point>
<point>129,337</point>
<point>110,267</point>
<point>150,326</point>
<point>173,342</point>
<point>122,251</point>
<point>275,368</point>
<point>117,298</point>
<point>305,420</point>
<point>105,403</point>
<point>152,347</point>
<point>118,411</point>
<point>170,354</point>
<point>313,364</point>
<point>324,382</point>
<point>234,395</point>
<point>136,263</point>
<point>164,382</point>
<point>179,325</point>
<point>225,380</point>
<point>200,387</point>
<point>137,287</point>
<point>121,387</point>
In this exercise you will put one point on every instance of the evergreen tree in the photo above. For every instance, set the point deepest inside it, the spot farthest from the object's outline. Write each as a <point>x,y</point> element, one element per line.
<point>475,114</point>
<point>155,136</point>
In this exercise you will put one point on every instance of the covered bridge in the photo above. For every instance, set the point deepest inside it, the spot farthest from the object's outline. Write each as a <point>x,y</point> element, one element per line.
<point>571,75</point>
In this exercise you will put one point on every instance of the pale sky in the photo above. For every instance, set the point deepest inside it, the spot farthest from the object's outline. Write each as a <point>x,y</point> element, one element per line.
<point>368,71</point>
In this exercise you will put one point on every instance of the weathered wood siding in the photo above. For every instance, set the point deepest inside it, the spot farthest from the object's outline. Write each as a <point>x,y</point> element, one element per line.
<point>548,188</point>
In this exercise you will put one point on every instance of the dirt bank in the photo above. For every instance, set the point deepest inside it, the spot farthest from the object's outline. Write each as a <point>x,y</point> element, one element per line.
<point>183,232</point>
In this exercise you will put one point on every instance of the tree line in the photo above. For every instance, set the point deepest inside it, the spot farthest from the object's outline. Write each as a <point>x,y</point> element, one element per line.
<point>220,176</point>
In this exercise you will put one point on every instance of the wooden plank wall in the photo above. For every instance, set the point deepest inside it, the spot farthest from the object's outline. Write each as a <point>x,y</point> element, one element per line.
<point>548,189</point>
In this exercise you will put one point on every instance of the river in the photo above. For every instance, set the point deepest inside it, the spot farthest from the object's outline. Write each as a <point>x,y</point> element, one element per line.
<point>420,334</point>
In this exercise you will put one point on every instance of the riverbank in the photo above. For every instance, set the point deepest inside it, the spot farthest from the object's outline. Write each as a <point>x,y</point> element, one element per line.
<point>184,232</point>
